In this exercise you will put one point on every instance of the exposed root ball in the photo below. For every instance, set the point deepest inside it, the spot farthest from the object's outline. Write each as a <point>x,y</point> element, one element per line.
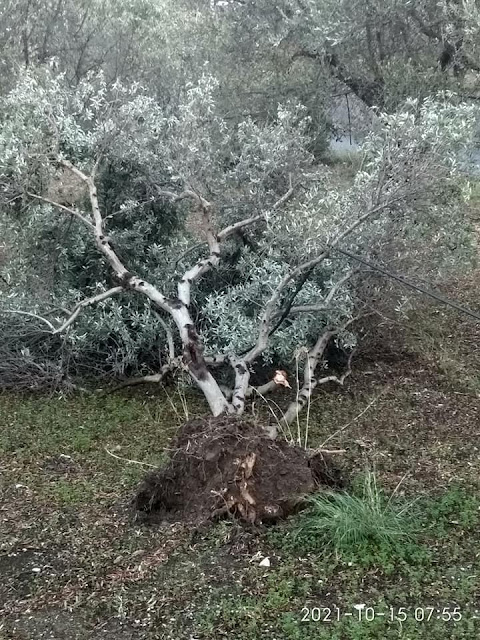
<point>227,465</point>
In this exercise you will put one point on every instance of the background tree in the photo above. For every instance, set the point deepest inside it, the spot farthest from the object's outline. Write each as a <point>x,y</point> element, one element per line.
<point>383,52</point>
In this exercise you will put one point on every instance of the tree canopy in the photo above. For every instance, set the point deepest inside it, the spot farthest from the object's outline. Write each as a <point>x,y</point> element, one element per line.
<point>168,201</point>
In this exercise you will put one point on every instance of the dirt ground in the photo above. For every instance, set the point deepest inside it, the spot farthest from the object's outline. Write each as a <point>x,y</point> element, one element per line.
<point>75,564</point>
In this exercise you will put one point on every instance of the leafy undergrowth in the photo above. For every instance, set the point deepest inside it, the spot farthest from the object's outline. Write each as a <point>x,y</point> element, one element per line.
<point>75,565</point>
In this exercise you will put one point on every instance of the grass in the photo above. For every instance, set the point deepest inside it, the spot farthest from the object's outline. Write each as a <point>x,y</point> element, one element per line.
<point>345,520</point>
<point>63,510</point>
<point>435,570</point>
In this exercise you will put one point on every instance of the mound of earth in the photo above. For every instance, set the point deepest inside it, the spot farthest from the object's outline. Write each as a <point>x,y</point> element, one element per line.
<point>227,465</point>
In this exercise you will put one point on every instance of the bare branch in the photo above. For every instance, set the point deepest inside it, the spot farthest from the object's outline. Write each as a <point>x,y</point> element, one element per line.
<point>86,303</point>
<point>315,308</point>
<point>187,252</point>
<point>31,315</point>
<point>329,452</point>
<point>204,265</point>
<point>308,308</point>
<point>370,404</point>
<point>184,195</point>
<point>232,229</point>
<point>73,315</point>
<point>73,212</point>
<point>310,382</point>
<point>155,379</point>
<point>263,389</point>
<point>176,307</point>
<point>213,239</point>
<point>339,380</point>
<point>71,167</point>
<point>144,464</point>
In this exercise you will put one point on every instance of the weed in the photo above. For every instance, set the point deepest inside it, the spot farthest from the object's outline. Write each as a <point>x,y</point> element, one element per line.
<point>67,493</point>
<point>455,510</point>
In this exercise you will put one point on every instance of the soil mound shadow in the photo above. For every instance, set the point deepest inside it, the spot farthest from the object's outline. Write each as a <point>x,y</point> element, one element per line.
<point>229,466</point>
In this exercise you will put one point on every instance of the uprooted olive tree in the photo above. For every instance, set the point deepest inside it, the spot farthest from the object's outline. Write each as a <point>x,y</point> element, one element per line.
<point>225,242</point>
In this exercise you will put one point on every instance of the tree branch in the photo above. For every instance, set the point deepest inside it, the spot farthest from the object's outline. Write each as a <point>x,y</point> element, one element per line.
<point>204,265</point>
<point>309,308</point>
<point>450,49</point>
<point>86,303</point>
<point>31,315</point>
<point>170,343</point>
<point>242,377</point>
<point>428,30</point>
<point>73,315</point>
<point>155,378</point>
<point>213,239</point>
<point>263,389</point>
<point>266,319</point>
<point>368,91</point>
<point>184,195</point>
<point>73,212</point>
<point>310,382</point>
<point>237,226</point>
<point>339,380</point>
<point>105,247</point>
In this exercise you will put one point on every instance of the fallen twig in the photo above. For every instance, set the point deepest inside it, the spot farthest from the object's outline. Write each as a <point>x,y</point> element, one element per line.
<point>370,404</point>
<point>145,464</point>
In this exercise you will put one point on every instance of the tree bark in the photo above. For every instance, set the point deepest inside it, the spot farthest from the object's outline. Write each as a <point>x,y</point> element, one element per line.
<point>309,379</point>
<point>176,307</point>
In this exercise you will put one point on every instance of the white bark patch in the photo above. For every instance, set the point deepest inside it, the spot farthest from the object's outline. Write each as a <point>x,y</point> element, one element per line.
<point>242,378</point>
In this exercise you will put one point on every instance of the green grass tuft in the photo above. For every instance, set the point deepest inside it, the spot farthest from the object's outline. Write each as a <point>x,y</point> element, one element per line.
<point>344,521</point>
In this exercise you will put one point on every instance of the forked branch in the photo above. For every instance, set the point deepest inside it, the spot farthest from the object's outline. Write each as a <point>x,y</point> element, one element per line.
<point>72,315</point>
<point>310,381</point>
